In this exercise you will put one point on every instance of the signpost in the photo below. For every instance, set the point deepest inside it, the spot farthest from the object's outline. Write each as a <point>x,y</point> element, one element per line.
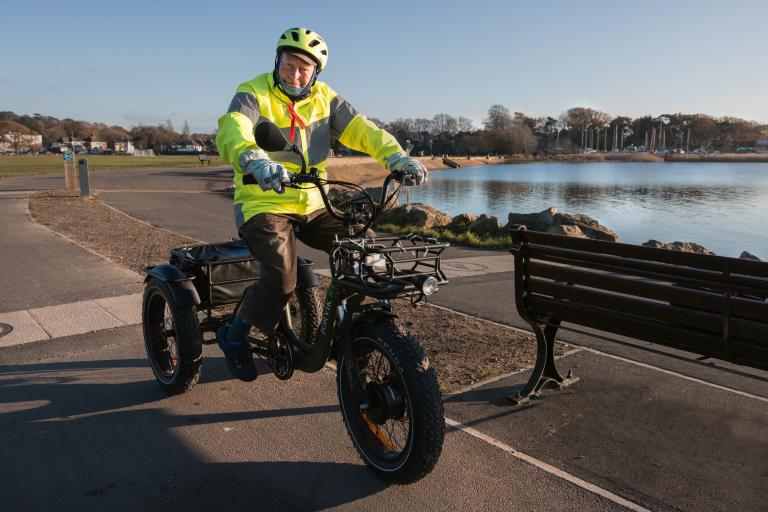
<point>70,180</point>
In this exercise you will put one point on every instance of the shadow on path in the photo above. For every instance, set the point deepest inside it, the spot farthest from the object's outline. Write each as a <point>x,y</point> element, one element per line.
<point>95,435</point>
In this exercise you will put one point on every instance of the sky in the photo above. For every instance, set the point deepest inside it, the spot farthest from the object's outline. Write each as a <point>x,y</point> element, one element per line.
<point>145,62</point>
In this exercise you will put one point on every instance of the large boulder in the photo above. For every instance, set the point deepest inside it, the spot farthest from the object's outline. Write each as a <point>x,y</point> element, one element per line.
<point>485,225</point>
<point>541,221</point>
<point>745,255</point>
<point>589,226</point>
<point>461,222</point>
<point>339,195</point>
<point>567,230</point>
<point>419,215</point>
<point>679,246</point>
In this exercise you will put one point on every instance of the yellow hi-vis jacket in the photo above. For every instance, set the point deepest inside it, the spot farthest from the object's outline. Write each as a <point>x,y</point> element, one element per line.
<point>321,116</point>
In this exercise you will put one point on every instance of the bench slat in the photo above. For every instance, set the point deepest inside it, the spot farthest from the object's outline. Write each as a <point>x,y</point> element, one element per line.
<point>688,276</point>
<point>627,325</point>
<point>750,354</point>
<point>657,290</point>
<point>748,330</point>
<point>750,309</point>
<point>687,259</point>
<point>641,309</point>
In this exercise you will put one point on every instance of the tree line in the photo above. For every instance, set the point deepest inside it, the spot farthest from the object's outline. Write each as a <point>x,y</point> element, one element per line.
<point>502,132</point>
<point>577,129</point>
<point>142,136</point>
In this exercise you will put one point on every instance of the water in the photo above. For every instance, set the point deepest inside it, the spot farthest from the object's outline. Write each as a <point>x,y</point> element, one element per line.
<point>722,206</point>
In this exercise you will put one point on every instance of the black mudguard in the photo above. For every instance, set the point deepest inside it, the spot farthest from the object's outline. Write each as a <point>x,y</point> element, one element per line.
<point>374,315</point>
<point>183,292</point>
<point>306,277</point>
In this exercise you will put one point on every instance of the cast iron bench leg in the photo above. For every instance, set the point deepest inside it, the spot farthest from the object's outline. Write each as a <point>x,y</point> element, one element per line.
<point>544,372</point>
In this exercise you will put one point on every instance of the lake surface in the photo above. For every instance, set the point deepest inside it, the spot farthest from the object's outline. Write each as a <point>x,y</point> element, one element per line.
<point>722,206</point>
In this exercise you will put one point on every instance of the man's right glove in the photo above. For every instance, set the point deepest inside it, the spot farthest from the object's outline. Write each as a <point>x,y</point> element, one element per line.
<point>269,174</point>
<point>415,172</point>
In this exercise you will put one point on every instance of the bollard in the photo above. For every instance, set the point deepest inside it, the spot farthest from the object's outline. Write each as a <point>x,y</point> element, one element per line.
<point>85,186</point>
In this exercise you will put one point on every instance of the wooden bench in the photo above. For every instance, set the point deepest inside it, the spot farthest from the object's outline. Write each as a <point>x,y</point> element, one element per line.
<point>204,159</point>
<point>709,305</point>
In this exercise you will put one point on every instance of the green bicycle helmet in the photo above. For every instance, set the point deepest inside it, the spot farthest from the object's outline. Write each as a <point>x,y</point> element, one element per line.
<point>307,42</point>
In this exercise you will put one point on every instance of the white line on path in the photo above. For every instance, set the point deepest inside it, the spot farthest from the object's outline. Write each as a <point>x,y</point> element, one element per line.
<point>559,473</point>
<point>618,358</point>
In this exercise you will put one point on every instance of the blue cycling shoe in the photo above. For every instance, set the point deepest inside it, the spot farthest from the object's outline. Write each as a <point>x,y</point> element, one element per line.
<point>238,355</point>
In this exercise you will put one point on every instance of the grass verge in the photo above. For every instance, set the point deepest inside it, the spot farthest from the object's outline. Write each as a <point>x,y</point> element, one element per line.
<point>24,165</point>
<point>465,238</point>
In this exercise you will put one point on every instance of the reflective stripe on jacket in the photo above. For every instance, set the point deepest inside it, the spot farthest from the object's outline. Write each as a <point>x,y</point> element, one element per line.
<point>325,114</point>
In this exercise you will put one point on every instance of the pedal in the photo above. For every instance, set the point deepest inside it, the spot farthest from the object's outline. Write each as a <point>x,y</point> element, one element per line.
<point>280,357</point>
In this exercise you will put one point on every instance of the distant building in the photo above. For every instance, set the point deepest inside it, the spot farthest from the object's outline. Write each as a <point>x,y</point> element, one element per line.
<point>124,148</point>
<point>186,147</point>
<point>15,142</point>
<point>68,144</point>
<point>92,143</point>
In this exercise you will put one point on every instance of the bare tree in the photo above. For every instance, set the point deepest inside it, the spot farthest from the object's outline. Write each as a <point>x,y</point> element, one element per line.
<point>498,120</point>
<point>443,124</point>
<point>464,125</point>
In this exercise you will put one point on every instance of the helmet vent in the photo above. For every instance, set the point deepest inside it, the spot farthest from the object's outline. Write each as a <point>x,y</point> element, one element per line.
<point>307,32</point>
<point>295,36</point>
<point>313,43</point>
<point>324,52</point>
<point>283,37</point>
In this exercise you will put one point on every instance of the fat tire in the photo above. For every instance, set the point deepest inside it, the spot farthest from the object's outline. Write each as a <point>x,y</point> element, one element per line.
<point>427,420</point>
<point>189,339</point>
<point>309,309</point>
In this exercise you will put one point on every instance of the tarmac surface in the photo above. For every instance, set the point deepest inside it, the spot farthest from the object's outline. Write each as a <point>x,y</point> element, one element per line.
<point>83,425</point>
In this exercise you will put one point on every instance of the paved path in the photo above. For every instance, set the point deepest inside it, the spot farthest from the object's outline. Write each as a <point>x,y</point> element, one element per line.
<point>644,428</point>
<point>40,268</point>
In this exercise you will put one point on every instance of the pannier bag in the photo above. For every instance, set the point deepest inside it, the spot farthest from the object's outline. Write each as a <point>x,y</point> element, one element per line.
<point>222,271</point>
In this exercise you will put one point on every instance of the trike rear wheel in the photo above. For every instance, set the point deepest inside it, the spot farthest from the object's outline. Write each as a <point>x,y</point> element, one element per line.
<point>172,338</point>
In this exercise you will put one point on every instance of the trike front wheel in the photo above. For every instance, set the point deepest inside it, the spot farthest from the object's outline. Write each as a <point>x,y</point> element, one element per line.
<point>395,416</point>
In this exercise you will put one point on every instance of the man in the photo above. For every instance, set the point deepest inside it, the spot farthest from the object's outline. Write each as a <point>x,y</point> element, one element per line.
<point>310,114</point>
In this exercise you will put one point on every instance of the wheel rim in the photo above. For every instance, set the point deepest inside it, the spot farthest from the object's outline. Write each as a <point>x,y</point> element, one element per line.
<point>384,431</point>
<point>161,338</point>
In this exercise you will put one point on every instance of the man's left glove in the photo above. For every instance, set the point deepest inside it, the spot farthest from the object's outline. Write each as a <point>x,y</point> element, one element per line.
<point>269,174</point>
<point>415,172</point>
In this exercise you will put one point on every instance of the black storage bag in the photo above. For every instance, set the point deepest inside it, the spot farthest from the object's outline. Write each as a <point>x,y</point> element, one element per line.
<point>222,271</point>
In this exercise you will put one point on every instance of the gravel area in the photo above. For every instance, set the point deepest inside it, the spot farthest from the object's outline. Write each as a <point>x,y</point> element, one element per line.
<point>462,349</point>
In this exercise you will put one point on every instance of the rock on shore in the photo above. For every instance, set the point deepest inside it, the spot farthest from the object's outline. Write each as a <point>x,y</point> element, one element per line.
<point>571,224</point>
<point>745,255</point>
<point>418,214</point>
<point>679,246</point>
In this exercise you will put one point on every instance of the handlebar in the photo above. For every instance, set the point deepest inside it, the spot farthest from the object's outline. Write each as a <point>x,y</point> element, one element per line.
<point>352,216</point>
